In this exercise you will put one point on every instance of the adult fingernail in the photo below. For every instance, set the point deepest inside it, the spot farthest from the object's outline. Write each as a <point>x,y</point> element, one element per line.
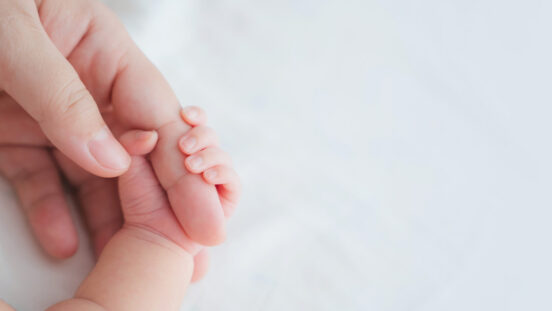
<point>108,152</point>
<point>195,161</point>
<point>188,143</point>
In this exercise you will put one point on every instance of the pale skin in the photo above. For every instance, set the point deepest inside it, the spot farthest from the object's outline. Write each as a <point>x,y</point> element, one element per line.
<point>149,263</point>
<point>72,78</point>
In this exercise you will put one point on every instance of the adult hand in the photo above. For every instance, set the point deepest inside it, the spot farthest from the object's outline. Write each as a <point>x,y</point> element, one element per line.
<point>46,48</point>
<point>34,169</point>
<point>67,64</point>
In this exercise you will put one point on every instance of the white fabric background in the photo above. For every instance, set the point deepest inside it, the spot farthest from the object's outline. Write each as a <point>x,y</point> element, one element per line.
<point>395,154</point>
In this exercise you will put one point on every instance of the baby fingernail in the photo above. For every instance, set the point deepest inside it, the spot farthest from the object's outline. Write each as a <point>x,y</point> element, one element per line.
<point>188,143</point>
<point>195,161</point>
<point>144,135</point>
<point>191,113</point>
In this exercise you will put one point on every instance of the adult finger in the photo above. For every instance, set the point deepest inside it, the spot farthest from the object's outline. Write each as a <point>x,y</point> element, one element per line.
<point>142,99</point>
<point>98,200</point>
<point>17,127</point>
<point>43,82</point>
<point>34,175</point>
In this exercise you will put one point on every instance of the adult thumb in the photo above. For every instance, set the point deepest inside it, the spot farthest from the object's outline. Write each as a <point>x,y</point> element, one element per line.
<point>43,82</point>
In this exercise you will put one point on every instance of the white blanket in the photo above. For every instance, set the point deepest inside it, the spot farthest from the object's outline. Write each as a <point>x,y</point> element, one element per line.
<point>395,154</point>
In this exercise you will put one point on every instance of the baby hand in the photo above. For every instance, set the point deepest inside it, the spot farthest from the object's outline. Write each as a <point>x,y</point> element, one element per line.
<point>205,157</point>
<point>144,202</point>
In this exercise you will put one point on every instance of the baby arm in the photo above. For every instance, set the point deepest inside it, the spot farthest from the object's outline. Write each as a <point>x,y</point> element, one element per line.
<point>140,268</point>
<point>150,262</point>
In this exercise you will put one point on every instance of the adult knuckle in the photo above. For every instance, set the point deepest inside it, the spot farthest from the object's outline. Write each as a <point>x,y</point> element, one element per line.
<point>33,175</point>
<point>67,103</point>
